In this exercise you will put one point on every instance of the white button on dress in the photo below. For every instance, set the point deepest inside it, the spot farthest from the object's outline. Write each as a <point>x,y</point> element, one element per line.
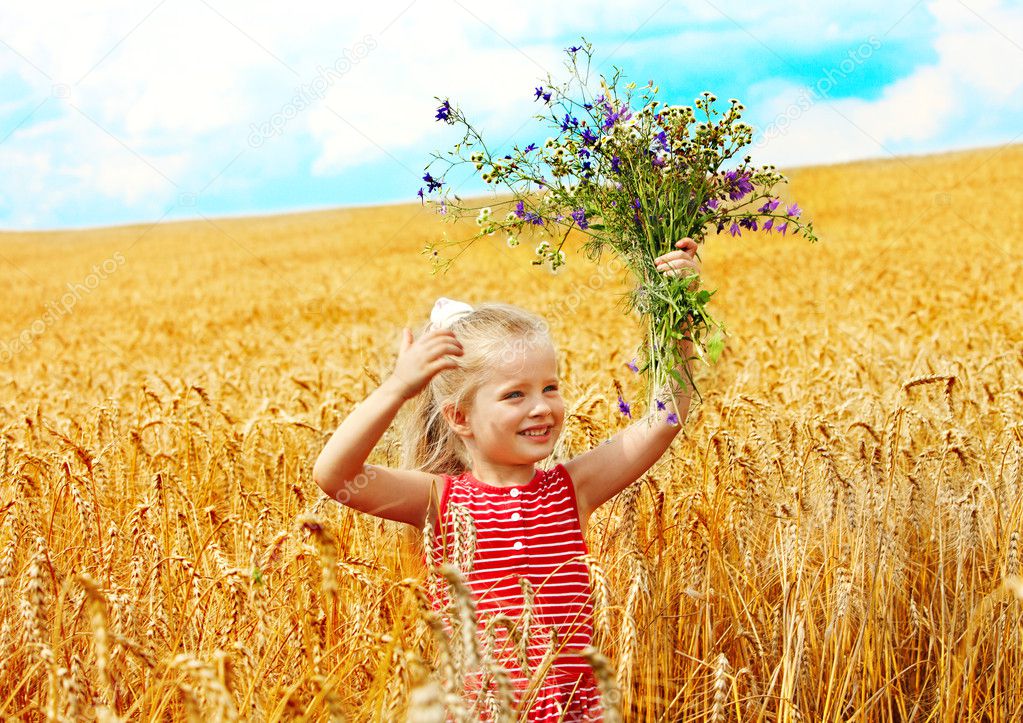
<point>514,492</point>
<point>518,544</point>
<point>516,515</point>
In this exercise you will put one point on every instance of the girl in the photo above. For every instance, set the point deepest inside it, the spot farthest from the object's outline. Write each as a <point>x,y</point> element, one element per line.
<point>483,387</point>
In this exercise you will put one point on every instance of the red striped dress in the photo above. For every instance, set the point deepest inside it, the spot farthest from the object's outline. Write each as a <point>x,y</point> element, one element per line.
<point>527,531</point>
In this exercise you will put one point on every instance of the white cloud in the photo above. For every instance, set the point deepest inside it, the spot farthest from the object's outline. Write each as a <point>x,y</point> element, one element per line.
<point>181,83</point>
<point>977,68</point>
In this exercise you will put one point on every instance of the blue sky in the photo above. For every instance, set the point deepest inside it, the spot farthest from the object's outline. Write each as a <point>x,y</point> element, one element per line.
<point>120,112</point>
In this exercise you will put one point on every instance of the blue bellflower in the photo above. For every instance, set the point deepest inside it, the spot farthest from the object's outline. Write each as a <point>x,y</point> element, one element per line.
<point>432,184</point>
<point>444,112</point>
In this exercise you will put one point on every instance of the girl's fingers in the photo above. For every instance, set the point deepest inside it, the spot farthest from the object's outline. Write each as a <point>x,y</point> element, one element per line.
<point>444,362</point>
<point>669,259</point>
<point>679,268</point>
<point>442,341</point>
<point>678,264</point>
<point>687,243</point>
<point>406,340</point>
<point>439,334</point>
<point>686,254</point>
<point>439,350</point>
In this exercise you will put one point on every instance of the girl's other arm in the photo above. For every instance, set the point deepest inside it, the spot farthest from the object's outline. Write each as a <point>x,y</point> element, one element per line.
<point>602,472</point>
<point>341,470</point>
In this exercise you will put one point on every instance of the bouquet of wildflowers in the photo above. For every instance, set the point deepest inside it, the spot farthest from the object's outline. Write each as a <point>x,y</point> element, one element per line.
<point>634,176</point>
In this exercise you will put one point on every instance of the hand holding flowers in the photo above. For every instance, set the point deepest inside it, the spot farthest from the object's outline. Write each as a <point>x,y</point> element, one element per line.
<point>675,263</point>
<point>629,177</point>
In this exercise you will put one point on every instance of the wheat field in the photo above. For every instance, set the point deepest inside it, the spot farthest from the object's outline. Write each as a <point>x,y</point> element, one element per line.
<point>833,536</point>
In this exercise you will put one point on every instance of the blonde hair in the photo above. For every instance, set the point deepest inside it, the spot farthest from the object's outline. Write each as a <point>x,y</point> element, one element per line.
<point>491,333</point>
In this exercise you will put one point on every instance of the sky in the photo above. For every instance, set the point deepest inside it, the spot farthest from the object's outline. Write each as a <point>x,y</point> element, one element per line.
<point>116,112</point>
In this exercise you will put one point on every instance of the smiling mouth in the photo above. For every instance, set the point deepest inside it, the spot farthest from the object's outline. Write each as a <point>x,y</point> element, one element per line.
<point>537,433</point>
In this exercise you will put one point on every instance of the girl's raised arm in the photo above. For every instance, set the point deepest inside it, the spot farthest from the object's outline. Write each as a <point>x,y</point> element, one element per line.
<point>341,470</point>
<point>604,471</point>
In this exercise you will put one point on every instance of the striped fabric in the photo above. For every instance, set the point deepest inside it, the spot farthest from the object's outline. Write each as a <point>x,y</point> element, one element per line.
<point>525,533</point>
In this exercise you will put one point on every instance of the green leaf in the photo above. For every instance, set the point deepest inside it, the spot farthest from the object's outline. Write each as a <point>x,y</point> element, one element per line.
<point>715,345</point>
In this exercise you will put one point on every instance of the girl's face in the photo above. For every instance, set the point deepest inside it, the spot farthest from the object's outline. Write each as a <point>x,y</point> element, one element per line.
<point>517,414</point>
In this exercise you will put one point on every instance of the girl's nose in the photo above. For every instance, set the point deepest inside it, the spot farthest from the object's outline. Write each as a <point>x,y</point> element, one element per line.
<point>541,408</point>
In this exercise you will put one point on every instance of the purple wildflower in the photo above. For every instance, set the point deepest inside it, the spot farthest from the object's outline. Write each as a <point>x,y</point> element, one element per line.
<point>793,211</point>
<point>734,229</point>
<point>533,218</point>
<point>589,137</point>
<point>659,161</point>
<point>432,184</point>
<point>530,148</point>
<point>739,185</point>
<point>616,164</point>
<point>612,116</point>
<point>444,112</point>
<point>660,405</point>
<point>662,138</point>
<point>635,203</point>
<point>781,229</point>
<point>768,224</point>
<point>672,419</point>
<point>574,49</point>
<point>420,194</point>
<point>623,407</point>
<point>580,218</point>
<point>769,206</point>
<point>568,122</point>
<point>632,365</point>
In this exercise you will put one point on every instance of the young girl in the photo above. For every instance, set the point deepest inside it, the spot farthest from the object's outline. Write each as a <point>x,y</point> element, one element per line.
<point>483,386</point>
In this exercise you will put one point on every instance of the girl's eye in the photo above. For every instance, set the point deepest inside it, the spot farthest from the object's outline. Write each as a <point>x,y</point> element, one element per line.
<point>551,387</point>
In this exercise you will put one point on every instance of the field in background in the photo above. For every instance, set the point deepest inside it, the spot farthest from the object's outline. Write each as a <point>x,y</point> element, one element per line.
<point>827,540</point>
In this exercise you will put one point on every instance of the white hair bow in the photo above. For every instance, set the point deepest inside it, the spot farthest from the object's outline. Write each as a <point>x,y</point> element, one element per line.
<point>446,311</point>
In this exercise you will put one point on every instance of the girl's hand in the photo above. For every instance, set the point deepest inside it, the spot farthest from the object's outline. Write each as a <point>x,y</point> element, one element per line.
<point>419,360</point>
<point>681,262</point>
